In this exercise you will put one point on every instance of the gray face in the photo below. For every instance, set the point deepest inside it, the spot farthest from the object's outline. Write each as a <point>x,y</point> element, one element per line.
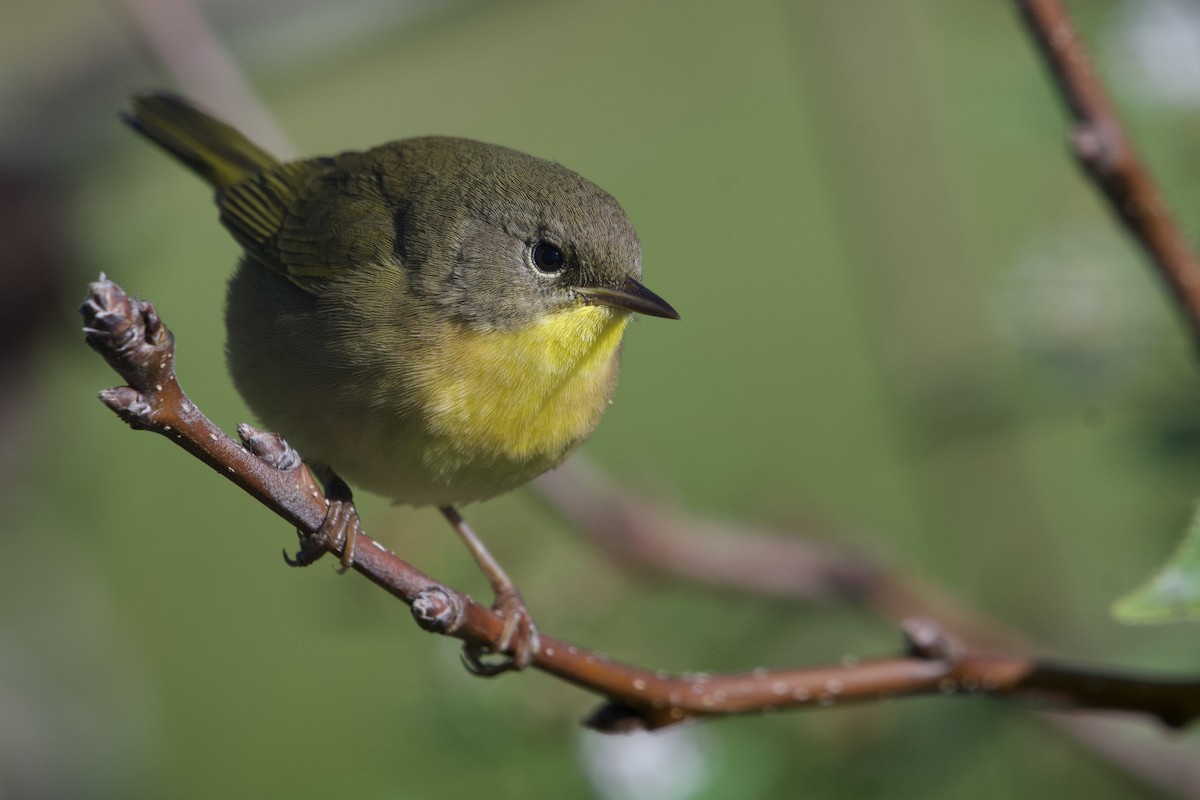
<point>498,239</point>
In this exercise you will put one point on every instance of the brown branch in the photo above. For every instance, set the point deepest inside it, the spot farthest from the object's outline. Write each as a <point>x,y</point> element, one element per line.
<point>130,336</point>
<point>652,537</point>
<point>642,534</point>
<point>646,535</point>
<point>1109,158</point>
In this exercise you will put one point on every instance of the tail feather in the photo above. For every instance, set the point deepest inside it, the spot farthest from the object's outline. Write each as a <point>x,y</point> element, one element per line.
<point>207,146</point>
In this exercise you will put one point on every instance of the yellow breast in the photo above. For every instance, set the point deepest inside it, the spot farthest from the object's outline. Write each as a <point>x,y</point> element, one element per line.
<point>523,396</point>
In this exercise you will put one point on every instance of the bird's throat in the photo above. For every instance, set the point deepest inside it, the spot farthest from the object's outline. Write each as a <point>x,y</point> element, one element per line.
<point>525,395</point>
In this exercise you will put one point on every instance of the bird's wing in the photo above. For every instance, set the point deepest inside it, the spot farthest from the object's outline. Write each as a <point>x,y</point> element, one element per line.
<point>309,220</point>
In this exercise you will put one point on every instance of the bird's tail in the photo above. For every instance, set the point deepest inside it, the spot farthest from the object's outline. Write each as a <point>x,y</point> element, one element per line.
<point>209,147</point>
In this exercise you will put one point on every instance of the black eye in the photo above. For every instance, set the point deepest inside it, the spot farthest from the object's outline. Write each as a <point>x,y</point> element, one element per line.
<point>546,257</point>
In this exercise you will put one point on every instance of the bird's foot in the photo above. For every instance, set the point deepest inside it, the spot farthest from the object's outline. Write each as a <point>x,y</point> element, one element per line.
<point>518,643</point>
<point>338,532</point>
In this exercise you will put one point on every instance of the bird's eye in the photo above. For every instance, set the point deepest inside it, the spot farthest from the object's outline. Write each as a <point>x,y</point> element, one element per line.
<point>546,257</point>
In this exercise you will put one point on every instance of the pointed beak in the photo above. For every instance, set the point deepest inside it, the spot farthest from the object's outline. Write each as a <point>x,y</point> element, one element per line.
<point>631,296</point>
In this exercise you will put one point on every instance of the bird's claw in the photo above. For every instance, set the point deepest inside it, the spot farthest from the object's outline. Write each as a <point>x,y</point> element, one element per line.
<point>519,641</point>
<point>340,529</point>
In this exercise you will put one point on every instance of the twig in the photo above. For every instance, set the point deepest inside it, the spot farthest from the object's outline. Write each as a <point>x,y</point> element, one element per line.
<point>1107,155</point>
<point>645,535</point>
<point>130,336</point>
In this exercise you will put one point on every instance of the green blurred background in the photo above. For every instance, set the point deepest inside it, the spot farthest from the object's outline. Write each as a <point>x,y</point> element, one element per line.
<point>904,313</point>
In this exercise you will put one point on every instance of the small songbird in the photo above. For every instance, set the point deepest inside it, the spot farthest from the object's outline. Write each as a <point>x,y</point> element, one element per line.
<point>436,320</point>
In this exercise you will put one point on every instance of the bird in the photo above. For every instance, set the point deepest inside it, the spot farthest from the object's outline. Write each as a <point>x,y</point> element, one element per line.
<point>436,320</point>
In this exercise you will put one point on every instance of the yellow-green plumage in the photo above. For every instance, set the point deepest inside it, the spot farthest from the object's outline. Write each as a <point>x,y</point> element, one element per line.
<point>486,388</point>
<point>396,315</point>
<point>449,416</point>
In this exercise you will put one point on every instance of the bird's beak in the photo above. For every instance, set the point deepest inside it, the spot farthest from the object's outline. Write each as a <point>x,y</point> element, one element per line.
<point>631,296</point>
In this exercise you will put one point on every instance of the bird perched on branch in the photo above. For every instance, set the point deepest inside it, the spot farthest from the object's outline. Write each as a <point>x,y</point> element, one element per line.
<point>436,320</point>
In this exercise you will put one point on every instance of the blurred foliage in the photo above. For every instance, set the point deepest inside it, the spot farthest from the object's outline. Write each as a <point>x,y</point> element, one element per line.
<point>1173,593</point>
<point>903,310</point>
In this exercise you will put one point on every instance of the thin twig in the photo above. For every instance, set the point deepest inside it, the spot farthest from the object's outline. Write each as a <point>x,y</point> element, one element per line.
<point>135,342</point>
<point>1101,145</point>
<point>649,535</point>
